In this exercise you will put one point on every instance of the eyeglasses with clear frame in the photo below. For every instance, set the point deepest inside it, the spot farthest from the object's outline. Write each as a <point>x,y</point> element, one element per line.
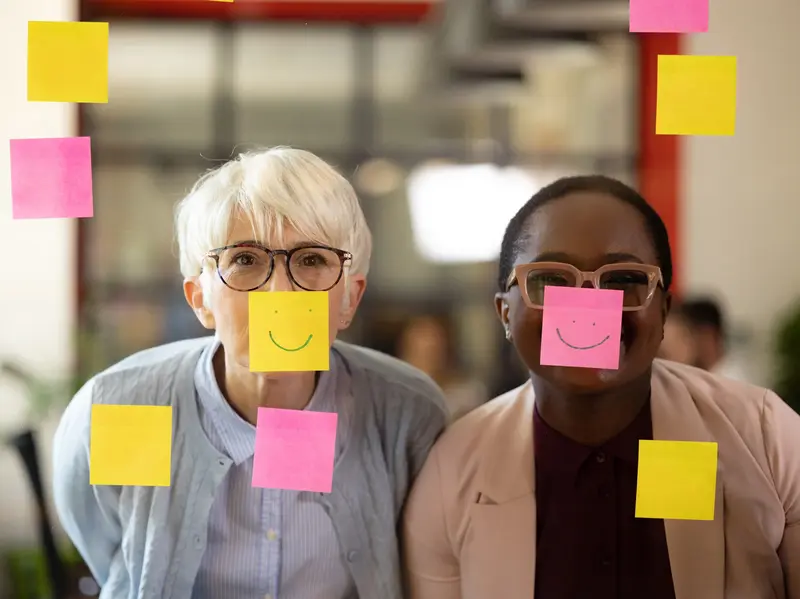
<point>638,282</point>
<point>248,266</point>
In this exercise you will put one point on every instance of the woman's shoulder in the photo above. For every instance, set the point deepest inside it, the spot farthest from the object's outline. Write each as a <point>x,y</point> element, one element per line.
<point>729,395</point>
<point>489,423</point>
<point>159,354</point>
<point>383,378</point>
<point>141,374</point>
<point>747,410</point>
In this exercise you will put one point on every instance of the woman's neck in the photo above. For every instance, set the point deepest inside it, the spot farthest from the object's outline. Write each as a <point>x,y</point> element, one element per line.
<point>247,391</point>
<point>591,419</point>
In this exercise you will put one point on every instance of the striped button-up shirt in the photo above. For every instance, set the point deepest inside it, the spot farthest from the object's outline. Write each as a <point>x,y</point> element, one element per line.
<point>268,543</point>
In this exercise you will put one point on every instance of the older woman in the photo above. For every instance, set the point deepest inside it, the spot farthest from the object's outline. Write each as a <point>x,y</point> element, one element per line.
<point>534,494</point>
<point>275,220</point>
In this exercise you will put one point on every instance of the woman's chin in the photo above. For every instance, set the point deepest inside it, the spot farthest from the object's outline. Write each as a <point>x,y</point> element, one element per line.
<point>580,380</point>
<point>243,366</point>
<point>585,380</point>
<point>276,375</point>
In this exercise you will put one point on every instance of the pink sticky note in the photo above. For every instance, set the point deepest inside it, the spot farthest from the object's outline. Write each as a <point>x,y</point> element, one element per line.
<point>581,327</point>
<point>51,178</point>
<point>295,450</point>
<point>669,16</point>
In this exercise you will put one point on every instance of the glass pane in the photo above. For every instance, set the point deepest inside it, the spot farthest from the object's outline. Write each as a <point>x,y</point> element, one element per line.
<point>580,101</point>
<point>125,326</point>
<point>160,87</point>
<point>304,102</point>
<point>131,235</point>
<point>405,120</point>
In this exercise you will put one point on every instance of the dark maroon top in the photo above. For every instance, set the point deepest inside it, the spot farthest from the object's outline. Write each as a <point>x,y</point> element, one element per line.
<point>588,543</point>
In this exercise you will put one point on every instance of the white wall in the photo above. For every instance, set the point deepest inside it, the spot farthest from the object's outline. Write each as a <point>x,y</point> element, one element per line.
<point>38,267</point>
<point>742,201</point>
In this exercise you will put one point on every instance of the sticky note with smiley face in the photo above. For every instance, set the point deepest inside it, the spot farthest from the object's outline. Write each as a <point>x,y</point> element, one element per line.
<point>581,327</point>
<point>289,331</point>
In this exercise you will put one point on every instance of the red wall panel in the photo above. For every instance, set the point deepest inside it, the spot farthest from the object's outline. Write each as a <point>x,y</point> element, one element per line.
<point>659,159</point>
<point>351,11</point>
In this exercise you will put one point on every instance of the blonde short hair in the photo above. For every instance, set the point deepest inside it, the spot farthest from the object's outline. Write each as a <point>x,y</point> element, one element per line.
<point>270,189</point>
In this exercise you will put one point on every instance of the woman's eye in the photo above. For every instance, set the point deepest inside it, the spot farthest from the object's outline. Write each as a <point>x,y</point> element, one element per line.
<point>552,280</point>
<point>244,260</point>
<point>311,260</point>
<point>627,279</point>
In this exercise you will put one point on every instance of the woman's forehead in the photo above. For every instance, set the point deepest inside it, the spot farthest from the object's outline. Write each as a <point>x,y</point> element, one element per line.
<point>587,227</point>
<point>279,235</point>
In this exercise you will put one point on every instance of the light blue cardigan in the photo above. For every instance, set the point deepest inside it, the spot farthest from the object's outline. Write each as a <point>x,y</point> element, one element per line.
<point>147,542</point>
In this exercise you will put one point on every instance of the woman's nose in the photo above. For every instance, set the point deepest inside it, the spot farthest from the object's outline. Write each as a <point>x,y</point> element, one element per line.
<point>280,280</point>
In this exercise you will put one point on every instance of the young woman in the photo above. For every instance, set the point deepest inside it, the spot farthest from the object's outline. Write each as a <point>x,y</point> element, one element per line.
<point>533,494</point>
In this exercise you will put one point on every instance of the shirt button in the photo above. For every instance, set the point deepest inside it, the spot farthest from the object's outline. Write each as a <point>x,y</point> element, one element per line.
<point>198,542</point>
<point>600,457</point>
<point>352,556</point>
<point>272,535</point>
<point>605,492</point>
<point>606,561</point>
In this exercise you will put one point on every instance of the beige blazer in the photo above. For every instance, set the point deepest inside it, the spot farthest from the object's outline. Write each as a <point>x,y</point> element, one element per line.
<point>470,521</point>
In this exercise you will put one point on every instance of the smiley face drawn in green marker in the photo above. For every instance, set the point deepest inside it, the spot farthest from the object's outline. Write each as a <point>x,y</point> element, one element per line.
<point>287,348</point>
<point>278,345</point>
<point>289,331</point>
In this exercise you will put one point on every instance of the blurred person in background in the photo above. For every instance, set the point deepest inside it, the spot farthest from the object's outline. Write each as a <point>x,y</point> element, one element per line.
<point>533,495</point>
<point>428,343</point>
<point>696,334</point>
<point>277,220</point>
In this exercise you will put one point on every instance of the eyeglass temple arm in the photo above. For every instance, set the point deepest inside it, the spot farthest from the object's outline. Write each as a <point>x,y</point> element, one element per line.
<point>511,281</point>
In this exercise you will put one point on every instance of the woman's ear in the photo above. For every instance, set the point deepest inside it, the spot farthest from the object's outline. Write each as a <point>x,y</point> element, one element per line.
<point>355,286</point>
<point>666,305</point>
<point>501,307</point>
<point>198,301</point>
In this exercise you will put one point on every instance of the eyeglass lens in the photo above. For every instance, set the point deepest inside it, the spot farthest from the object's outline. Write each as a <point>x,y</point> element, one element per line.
<point>245,268</point>
<point>635,284</point>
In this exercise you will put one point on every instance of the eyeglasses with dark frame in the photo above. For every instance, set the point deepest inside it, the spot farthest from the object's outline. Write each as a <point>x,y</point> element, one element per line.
<point>638,282</point>
<point>323,275</point>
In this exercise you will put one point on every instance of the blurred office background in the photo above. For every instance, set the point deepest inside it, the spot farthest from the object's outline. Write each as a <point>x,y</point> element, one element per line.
<point>445,114</point>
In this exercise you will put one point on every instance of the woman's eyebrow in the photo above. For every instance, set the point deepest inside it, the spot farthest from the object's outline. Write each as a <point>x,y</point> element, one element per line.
<point>242,242</point>
<point>622,257</point>
<point>610,258</point>
<point>298,244</point>
<point>554,257</point>
<point>307,244</point>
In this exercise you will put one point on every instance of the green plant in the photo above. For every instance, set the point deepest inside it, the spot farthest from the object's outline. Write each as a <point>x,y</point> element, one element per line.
<point>43,395</point>
<point>47,394</point>
<point>27,571</point>
<point>787,354</point>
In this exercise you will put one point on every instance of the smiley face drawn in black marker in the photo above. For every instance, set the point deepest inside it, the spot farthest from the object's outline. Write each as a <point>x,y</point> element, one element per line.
<point>578,347</point>
<point>290,349</point>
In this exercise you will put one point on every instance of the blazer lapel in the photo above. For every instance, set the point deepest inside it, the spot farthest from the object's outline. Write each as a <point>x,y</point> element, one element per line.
<point>503,521</point>
<point>696,548</point>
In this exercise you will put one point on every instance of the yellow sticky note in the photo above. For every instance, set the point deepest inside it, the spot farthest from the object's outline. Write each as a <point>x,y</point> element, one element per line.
<point>289,331</point>
<point>131,446</point>
<point>696,95</point>
<point>677,480</point>
<point>67,62</point>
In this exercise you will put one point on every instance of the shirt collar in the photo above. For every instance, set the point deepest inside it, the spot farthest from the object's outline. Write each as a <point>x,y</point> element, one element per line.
<point>238,436</point>
<point>555,452</point>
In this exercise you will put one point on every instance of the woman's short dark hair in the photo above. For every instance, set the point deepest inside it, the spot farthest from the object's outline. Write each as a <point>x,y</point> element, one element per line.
<point>514,239</point>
